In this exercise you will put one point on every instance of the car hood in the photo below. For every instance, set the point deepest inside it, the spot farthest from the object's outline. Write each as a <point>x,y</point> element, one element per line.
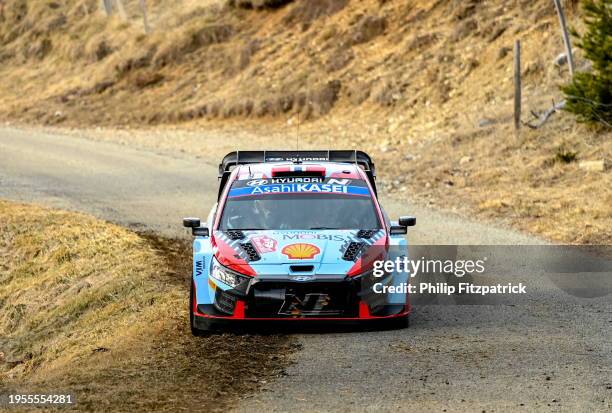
<point>341,248</point>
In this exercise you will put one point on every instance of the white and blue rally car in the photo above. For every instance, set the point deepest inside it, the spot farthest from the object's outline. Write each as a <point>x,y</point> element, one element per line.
<point>294,237</point>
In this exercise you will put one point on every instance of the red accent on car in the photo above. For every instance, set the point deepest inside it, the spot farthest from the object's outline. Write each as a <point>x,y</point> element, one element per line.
<point>305,319</point>
<point>230,258</point>
<point>194,305</point>
<point>376,252</point>
<point>364,310</point>
<point>239,310</point>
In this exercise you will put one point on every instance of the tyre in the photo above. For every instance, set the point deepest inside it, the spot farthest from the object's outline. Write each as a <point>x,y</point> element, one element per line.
<point>398,323</point>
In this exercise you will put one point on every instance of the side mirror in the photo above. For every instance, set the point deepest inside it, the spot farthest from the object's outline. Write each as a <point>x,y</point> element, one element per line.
<point>407,221</point>
<point>402,225</point>
<point>200,232</point>
<point>197,230</point>
<point>191,222</point>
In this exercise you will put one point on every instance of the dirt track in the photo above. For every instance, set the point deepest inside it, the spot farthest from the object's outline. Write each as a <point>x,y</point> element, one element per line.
<point>549,351</point>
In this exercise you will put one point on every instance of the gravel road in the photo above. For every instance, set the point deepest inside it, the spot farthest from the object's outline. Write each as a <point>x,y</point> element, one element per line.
<point>548,351</point>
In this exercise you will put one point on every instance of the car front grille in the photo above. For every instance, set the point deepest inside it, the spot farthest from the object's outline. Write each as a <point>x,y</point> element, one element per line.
<point>294,299</point>
<point>224,302</point>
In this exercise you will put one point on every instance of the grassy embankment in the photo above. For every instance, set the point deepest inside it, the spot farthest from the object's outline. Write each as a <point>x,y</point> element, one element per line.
<point>92,308</point>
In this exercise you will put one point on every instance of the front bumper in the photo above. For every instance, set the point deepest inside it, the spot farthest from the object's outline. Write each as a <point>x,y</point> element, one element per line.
<point>322,298</point>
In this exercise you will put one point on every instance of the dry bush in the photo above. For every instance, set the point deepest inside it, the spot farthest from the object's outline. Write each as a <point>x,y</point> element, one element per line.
<point>247,52</point>
<point>179,43</point>
<point>339,59</point>
<point>358,92</point>
<point>462,9</point>
<point>464,29</point>
<point>388,92</point>
<point>306,11</point>
<point>146,79</point>
<point>367,29</point>
<point>98,49</point>
<point>420,42</point>
<point>258,4</point>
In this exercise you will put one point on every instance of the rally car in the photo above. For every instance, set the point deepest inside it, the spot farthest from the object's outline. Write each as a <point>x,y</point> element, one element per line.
<point>295,237</point>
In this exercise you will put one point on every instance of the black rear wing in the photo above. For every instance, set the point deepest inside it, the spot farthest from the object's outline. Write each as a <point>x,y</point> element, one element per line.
<point>236,158</point>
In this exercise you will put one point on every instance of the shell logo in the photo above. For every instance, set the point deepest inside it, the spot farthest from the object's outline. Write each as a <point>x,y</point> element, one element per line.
<point>301,251</point>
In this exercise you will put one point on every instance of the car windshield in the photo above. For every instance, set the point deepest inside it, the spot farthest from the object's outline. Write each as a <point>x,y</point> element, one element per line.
<point>299,207</point>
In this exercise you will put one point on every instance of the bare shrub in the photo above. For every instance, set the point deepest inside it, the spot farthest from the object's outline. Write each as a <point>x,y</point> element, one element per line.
<point>145,79</point>
<point>339,59</point>
<point>304,12</point>
<point>247,52</point>
<point>135,61</point>
<point>358,92</point>
<point>323,99</point>
<point>39,49</point>
<point>421,41</point>
<point>97,50</point>
<point>258,4</point>
<point>368,28</point>
<point>179,44</point>
<point>463,30</point>
<point>388,92</point>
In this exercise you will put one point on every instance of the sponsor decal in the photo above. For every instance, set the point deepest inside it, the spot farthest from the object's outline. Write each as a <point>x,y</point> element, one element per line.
<point>264,244</point>
<point>299,188</point>
<point>292,180</point>
<point>328,237</point>
<point>311,304</point>
<point>296,158</point>
<point>257,182</point>
<point>300,251</point>
<point>302,278</point>
<point>280,188</point>
<point>334,181</point>
<point>199,267</point>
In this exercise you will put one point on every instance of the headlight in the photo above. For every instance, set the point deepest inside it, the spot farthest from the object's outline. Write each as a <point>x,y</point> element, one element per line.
<point>225,275</point>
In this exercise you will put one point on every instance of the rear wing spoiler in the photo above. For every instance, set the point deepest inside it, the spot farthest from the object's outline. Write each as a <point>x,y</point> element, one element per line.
<point>236,158</point>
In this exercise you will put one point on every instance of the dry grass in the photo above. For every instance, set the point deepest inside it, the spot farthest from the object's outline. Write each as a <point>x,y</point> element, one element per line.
<point>216,60</point>
<point>93,308</point>
<point>413,78</point>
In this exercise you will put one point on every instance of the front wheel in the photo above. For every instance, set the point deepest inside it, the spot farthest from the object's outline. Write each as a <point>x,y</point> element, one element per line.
<point>398,323</point>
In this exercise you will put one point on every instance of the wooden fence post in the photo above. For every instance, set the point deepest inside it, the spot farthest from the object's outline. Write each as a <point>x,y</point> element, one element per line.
<point>107,6</point>
<point>566,38</point>
<point>121,9</point>
<point>145,18</point>
<point>517,86</point>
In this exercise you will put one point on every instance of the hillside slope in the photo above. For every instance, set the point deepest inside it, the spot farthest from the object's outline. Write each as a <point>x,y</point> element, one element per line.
<point>426,86</point>
<point>206,59</point>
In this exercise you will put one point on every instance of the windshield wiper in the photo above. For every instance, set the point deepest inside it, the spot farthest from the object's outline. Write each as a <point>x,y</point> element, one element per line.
<point>312,228</point>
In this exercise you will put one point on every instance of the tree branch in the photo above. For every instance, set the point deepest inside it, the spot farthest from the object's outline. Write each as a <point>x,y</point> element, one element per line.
<point>544,116</point>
